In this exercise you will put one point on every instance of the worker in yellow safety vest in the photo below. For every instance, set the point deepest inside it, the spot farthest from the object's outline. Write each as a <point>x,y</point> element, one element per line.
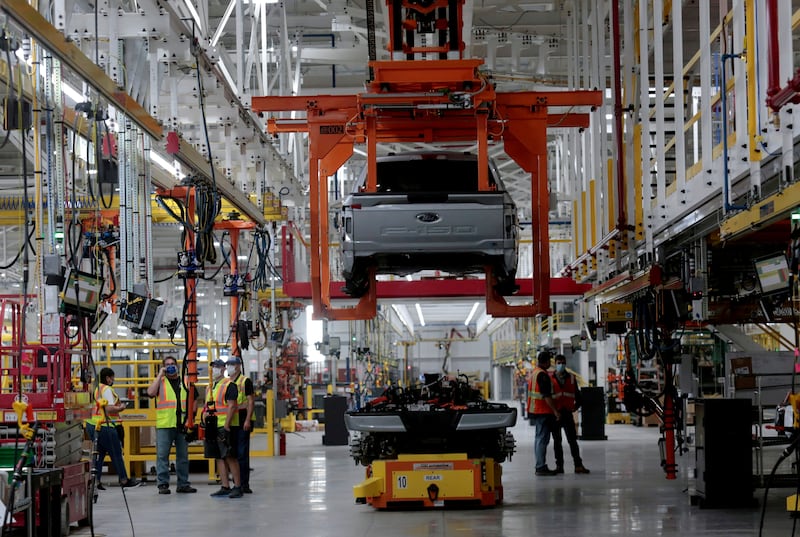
<point>542,411</point>
<point>102,429</point>
<point>223,402</point>
<point>566,395</point>
<point>245,402</point>
<point>171,397</point>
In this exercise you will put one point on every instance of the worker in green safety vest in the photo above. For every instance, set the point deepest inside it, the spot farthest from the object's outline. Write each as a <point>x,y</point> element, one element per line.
<point>171,413</point>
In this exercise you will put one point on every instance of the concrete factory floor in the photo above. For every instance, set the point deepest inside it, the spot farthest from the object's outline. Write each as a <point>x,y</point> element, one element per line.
<point>309,493</point>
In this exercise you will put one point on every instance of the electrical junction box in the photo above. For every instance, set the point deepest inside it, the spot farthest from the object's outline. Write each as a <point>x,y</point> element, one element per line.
<point>615,311</point>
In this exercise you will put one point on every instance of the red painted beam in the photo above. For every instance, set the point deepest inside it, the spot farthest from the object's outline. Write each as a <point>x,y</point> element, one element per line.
<point>439,288</point>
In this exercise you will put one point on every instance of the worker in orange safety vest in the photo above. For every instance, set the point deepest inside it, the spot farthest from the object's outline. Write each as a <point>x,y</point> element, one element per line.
<point>542,411</point>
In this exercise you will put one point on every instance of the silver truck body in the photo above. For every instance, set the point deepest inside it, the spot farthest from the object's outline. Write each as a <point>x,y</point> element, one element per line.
<point>428,214</point>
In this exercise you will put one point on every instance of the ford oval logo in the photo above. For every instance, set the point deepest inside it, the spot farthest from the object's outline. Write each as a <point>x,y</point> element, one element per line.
<point>428,218</point>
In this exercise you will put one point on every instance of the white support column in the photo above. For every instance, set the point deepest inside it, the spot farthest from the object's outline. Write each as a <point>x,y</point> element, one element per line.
<point>583,59</point>
<point>571,33</point>
<point>244,182</point>
<point>125,221</point>
<point>738,68</point>
<point>516,52</point>
<point>679,107</point>
<point>706,142</point>
<point>491,51</point>
<point>659,213</point>
<point>154,85</point>
<point>239,21</point>
<point>466,31</point>
<point>599,120</point>
<point>59,15</point>
<point>59,180</point>
<point>147,181</point>
<point>787,118</point>
<point>632,84</point>
<point>229,146</point>
<point>598,156</point>
<point>644,118</point>
<point>264,55</point>
<point>142,201</point>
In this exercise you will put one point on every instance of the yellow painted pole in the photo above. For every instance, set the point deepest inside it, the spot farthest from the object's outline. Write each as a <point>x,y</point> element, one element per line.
<point>575,230</point>
<point>593,210</point>
<point>610,195</point>
<point>584,238</point>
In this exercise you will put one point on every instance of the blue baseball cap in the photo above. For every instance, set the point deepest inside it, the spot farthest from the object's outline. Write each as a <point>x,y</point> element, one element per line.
<point>218,363</point>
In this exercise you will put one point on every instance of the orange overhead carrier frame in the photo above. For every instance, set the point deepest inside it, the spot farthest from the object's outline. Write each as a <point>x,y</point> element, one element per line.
<point>427,101</point>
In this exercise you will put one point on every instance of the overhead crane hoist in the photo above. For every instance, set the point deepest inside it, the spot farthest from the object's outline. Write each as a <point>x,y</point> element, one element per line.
<point>413,100</point>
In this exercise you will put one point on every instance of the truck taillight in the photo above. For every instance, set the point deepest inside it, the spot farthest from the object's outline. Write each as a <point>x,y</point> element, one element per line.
<point>355,206</point>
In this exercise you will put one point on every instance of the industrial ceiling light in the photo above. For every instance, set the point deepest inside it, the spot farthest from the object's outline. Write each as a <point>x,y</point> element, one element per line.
<point>174,168</point>
<point>399,312</point>
<point>471,313</point>
<point>419,314</point>
<point>72,93</point>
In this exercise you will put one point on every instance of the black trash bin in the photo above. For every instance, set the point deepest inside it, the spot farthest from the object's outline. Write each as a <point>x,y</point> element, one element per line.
<point>335,431</point>
<point>593,414</point>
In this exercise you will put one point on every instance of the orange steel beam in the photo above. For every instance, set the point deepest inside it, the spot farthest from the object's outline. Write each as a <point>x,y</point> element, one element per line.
<point>233,227</point>
<point>410,102</point>
<point>187,194</point>
<point>571,120</point>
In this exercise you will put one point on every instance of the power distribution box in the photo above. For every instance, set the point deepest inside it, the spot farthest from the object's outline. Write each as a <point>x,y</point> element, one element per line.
<point>615,311</point>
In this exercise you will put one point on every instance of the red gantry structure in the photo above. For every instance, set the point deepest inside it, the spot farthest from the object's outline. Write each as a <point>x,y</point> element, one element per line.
<point>427,101</point>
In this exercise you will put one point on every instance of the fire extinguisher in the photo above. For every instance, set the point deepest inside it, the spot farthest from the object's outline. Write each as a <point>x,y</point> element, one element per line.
<point>282,443</point>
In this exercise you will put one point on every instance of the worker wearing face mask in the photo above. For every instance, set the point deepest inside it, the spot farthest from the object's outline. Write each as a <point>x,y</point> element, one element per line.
<point>171,397</point>
<point>223,402</point>
<point>246,403</point>
<point>566,395</point>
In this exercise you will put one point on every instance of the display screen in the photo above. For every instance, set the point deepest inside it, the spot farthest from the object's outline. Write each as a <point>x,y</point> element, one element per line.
<point>82,292</point>
<point>773,274</point>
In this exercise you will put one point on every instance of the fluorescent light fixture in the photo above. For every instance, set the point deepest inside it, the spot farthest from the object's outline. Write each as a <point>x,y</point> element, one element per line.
<point>471,313</point>
<point>73,94</point>
<point>241,257</point>
<point>174,168</point>
<point>402,313</point>
<point>419,314</point>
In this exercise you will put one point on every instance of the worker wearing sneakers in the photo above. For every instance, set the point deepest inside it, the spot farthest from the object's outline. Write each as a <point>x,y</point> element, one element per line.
<point>171,411</point>
<point>566,395</point>
<point>246,403</point>
<point>542,411</point>
<point>223,402</point>
<point>102,429</point>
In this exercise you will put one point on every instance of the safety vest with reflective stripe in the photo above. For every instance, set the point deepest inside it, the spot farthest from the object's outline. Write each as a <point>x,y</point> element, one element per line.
<point>220,404</point>
<point>536,402</point>
<point>241,399</point>
<point>167,405</point>
<point>564,394</point>
<point>98,414</point>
